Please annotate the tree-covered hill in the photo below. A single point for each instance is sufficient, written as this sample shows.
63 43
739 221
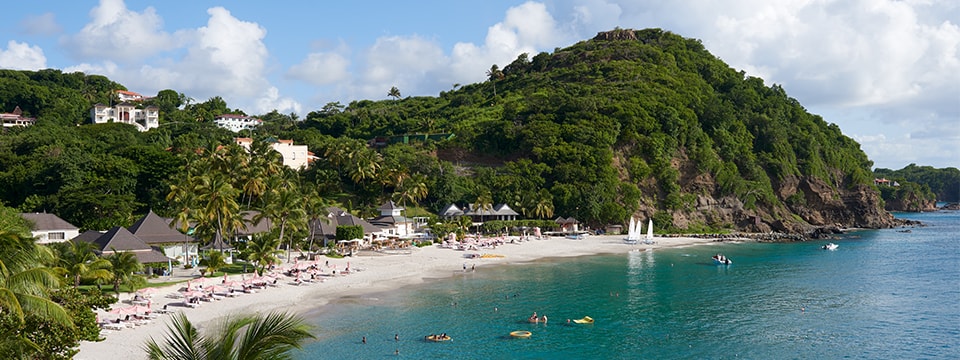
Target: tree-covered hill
919 187
641 122
632 122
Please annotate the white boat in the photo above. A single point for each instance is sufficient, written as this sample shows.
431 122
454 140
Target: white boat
830 246
649 239
719 259
633 232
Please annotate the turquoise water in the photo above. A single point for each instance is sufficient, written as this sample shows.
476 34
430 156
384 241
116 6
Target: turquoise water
883 294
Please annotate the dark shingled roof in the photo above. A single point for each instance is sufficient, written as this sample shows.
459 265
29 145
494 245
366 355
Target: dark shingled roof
153 229
336 216
120 239
46 222
250 228
88 236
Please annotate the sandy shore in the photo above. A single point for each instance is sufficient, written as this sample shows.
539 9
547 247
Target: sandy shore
376 273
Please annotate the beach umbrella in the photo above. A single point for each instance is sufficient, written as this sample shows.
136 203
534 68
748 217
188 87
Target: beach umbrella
147 292
128 310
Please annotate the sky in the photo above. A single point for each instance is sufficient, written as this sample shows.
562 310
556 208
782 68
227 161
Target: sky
886 72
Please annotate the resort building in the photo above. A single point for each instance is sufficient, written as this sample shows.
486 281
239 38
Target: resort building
127 113
323 231
392 221
126 96
49 228
156 232
16 119
296 157
236 122
497 212
119 239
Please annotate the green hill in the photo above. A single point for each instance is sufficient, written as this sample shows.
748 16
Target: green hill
643 123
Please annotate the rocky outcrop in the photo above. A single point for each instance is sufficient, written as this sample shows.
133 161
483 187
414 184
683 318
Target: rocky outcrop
911 204
807 206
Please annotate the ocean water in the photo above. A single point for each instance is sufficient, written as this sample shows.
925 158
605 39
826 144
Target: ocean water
883 294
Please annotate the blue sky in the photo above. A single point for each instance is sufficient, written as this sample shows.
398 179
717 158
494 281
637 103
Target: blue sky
887 72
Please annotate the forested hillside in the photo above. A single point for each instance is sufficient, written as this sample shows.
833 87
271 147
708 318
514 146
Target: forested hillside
919 187
643 123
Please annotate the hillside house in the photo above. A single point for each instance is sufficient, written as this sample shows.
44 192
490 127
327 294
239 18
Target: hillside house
127 113
296 157
49 228
237 122
16 119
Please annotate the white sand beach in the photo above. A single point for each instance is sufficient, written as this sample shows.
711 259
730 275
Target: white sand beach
371 273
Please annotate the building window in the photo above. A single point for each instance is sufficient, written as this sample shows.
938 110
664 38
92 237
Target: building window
56 236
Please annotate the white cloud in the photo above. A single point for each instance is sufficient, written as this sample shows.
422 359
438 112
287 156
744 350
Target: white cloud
408 63
270 100
22 56
118 34
322 68
44 24
525 29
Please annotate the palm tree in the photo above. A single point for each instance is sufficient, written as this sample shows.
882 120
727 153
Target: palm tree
78 261
124 267
269 336
262 251
493 75
284 207
394 93
484 203
214 261
24 283
315 206
544 206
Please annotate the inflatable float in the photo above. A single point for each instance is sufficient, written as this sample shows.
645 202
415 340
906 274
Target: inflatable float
520 334
437 338
585 320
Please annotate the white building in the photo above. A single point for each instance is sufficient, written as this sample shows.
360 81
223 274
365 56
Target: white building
127 113
296 157
49 228
237 123
16 118
126 96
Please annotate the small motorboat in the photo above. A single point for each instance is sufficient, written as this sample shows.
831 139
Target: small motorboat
830 246
720 259
585 320
520 334
437 338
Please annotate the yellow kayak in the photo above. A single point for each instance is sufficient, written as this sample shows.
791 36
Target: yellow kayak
585 320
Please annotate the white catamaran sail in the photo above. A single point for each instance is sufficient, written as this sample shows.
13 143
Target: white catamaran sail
633 232
649 232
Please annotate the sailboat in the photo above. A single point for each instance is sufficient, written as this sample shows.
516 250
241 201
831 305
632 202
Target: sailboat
649 239
633 233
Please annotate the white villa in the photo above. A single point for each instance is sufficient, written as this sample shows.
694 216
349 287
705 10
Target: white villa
296 157
49 228
237 123
16 118
127 113
125 96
